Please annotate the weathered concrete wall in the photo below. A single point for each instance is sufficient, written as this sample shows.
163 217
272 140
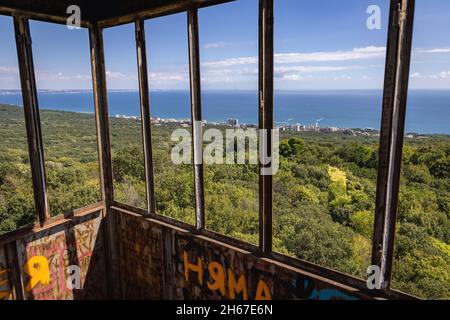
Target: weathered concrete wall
43 261
141 258
159 261
156 261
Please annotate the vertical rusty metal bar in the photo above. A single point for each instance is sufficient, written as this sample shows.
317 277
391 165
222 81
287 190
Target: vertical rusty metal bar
266 97
196 113
145 114
32 118
101 114
392 132
260 124
104 156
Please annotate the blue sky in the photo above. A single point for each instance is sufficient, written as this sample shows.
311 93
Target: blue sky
326 46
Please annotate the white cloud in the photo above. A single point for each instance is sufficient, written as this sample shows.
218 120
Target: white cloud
51 75
61 76
297 73
435 76
441 75
231 62
212 80
8 69
292 77
343 77
167 76
248 71
369 52
116 75
285 73
217 45
437 50
308 69
355 54
83 77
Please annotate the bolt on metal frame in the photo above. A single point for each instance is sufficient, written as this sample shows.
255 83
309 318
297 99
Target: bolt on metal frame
391 140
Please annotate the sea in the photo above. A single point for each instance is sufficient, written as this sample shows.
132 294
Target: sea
428 110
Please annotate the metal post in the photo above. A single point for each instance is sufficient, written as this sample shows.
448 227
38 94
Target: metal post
104 156
196 111
32 118
101 114
266 69
145 114
392 131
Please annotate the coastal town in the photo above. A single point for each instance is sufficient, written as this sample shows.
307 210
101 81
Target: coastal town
283 127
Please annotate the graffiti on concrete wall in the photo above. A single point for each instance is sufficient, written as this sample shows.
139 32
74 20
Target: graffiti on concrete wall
223 280
156 262
206 270
303 288
141 261
56 264
161 262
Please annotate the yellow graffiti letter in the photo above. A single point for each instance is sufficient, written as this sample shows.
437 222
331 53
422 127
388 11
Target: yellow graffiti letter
38 270
262 292
218 276
237 287
193 267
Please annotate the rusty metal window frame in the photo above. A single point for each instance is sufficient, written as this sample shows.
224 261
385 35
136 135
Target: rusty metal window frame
196 116
395 92
33 125
266 122
141 51
32 118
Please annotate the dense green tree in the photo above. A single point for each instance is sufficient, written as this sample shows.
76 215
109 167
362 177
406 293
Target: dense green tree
292 147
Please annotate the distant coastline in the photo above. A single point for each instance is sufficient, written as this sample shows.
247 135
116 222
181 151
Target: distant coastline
428 110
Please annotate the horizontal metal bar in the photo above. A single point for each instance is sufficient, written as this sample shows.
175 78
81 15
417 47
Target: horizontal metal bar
148 11
51 223
10 11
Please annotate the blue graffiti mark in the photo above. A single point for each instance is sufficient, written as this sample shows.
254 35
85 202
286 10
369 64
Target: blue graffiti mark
328 294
